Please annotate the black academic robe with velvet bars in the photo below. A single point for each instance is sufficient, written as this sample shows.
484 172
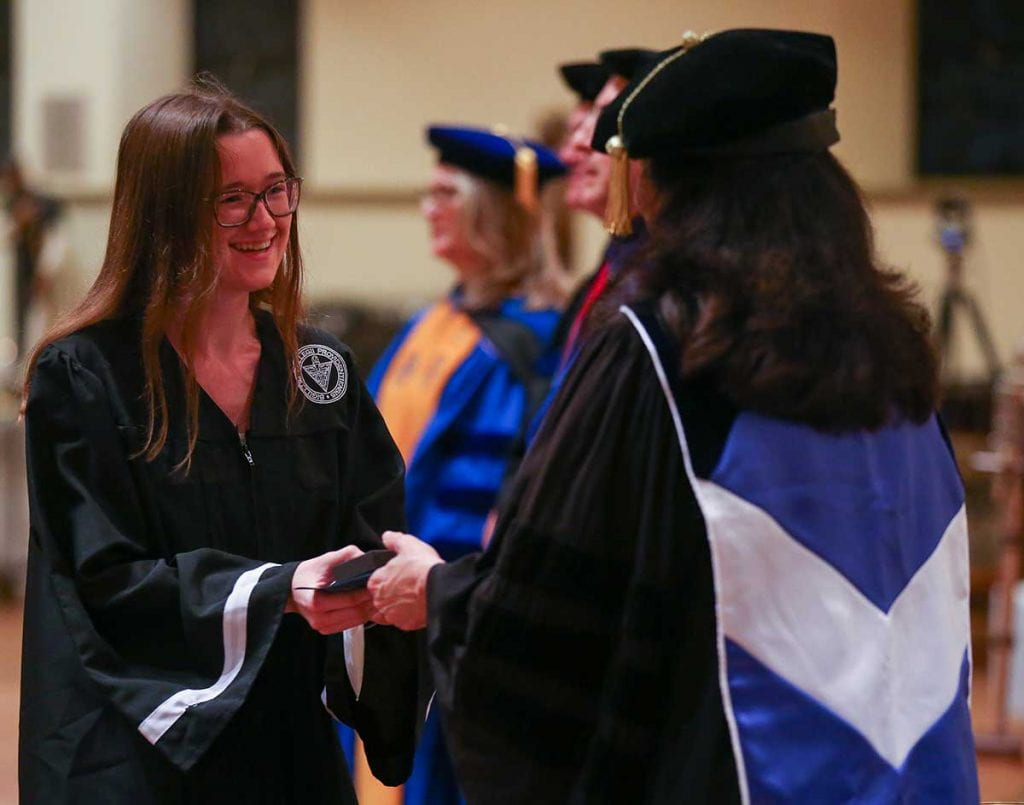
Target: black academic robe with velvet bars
575 659
158 663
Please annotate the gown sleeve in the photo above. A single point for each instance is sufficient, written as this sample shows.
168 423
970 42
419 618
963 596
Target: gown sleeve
173 641
555 651
388 708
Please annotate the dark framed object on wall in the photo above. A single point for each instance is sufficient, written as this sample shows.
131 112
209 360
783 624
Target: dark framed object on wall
970 68
252 46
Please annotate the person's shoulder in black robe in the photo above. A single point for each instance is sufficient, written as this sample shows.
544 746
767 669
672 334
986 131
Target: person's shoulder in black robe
575 660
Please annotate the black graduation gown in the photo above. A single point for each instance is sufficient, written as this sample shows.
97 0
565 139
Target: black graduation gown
575 660
158 665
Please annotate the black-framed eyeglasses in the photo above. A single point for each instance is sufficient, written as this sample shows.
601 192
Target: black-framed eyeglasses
236 207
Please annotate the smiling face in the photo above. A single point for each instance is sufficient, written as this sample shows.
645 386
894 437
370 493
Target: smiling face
247 256
589 170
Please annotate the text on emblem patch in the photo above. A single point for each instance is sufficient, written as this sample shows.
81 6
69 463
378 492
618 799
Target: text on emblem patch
323 376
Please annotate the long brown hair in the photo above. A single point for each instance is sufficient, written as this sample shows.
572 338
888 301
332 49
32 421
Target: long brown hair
158 263
767 271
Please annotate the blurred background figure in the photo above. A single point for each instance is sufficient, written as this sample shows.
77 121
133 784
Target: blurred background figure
595 84
38 249
585 80
461 380
589 175
36 246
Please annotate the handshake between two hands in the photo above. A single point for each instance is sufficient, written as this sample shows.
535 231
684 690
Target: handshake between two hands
395 594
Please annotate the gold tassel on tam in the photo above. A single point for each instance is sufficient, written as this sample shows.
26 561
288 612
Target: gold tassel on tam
618 219
526 179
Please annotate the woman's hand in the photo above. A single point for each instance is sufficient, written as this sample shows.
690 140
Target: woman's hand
399 588
328 613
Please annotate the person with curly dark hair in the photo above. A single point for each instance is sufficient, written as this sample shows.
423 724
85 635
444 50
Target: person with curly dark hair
733 565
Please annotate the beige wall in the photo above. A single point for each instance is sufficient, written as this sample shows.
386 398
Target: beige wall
373 74
378 71
112 55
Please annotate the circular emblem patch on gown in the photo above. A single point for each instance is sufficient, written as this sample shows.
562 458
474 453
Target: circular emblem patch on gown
323 376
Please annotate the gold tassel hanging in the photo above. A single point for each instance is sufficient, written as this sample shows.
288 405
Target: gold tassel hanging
618 219
526 179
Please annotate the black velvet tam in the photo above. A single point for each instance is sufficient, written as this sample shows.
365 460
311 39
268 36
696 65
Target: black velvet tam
584 78
744 91
627 63
489 155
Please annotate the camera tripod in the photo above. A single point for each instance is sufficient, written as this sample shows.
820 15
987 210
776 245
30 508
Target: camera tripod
955 297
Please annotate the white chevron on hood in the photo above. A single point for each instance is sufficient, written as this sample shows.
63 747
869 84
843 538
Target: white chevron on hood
891 674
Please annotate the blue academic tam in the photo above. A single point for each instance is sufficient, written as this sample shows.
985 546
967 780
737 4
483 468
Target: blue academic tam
490 155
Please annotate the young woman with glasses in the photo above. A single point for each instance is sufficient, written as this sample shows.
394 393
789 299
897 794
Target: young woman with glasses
199 460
